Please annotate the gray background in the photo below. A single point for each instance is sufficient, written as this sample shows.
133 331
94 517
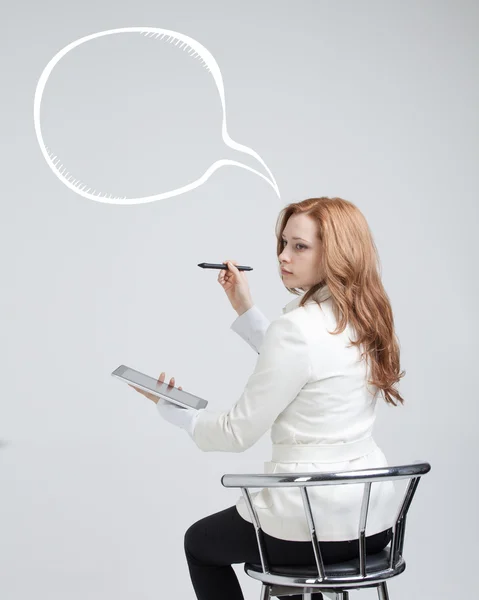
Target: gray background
375 102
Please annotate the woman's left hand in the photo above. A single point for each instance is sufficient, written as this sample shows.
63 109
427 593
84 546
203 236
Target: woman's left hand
152 397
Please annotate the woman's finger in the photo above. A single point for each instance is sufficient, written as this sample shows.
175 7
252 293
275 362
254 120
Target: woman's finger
222 273
139 390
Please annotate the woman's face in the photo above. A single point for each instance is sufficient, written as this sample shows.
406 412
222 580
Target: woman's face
302 256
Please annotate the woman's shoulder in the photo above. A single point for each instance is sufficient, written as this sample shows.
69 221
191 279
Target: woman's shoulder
300 321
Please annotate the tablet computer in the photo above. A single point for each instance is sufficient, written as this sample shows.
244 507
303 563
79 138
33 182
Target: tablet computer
162 390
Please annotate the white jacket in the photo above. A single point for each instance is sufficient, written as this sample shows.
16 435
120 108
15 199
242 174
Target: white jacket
311 390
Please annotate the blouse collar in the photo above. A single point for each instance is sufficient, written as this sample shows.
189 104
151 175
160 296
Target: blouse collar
323 294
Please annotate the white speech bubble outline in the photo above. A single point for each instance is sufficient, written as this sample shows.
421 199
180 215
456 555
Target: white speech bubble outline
210 64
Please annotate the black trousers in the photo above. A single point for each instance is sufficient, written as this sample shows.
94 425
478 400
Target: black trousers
222 539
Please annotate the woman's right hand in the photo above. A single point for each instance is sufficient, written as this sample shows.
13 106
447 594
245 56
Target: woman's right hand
236 287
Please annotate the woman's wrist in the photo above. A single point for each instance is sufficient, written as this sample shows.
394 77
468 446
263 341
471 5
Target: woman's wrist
244 308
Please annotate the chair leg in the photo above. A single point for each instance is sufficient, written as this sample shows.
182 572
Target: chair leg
265 592
383 591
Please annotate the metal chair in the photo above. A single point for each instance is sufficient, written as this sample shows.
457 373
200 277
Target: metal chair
367 571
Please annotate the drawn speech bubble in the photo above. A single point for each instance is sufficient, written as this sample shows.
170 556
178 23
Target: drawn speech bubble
196 51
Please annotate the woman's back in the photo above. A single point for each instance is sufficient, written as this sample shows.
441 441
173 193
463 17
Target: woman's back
338 405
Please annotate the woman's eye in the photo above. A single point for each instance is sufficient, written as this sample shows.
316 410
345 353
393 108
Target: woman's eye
297 245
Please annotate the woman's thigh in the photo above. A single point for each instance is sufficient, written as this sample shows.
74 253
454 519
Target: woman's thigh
222 538
225 538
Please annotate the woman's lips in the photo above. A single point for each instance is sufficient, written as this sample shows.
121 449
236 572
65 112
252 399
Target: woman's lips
285 272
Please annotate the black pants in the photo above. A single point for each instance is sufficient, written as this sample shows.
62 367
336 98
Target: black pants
214 543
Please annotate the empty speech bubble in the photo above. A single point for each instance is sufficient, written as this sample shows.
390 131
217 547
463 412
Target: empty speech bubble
196 51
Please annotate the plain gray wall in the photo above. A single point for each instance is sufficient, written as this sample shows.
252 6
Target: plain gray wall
375 102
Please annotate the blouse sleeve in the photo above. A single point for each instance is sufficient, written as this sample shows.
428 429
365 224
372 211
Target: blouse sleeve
283 367
251 326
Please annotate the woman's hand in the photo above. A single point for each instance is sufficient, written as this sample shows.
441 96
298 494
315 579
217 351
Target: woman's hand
235 284
181 416
150 396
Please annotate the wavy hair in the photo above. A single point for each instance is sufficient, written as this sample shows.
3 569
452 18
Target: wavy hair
351 268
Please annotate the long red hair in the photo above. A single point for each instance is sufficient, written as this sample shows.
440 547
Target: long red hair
351 268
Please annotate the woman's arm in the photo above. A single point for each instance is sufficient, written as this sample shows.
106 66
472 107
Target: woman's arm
251 326
282 369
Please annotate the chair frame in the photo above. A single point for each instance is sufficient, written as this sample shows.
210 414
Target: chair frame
283 585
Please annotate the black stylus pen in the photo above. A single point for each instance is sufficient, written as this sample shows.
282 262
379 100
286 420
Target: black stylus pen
223 266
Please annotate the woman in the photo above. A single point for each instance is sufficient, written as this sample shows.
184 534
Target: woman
320 368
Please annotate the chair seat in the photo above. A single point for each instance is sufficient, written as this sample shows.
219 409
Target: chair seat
374 563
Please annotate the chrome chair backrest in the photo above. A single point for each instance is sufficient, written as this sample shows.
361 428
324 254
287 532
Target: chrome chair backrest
413 472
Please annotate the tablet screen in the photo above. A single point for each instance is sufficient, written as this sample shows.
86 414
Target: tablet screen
163 390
